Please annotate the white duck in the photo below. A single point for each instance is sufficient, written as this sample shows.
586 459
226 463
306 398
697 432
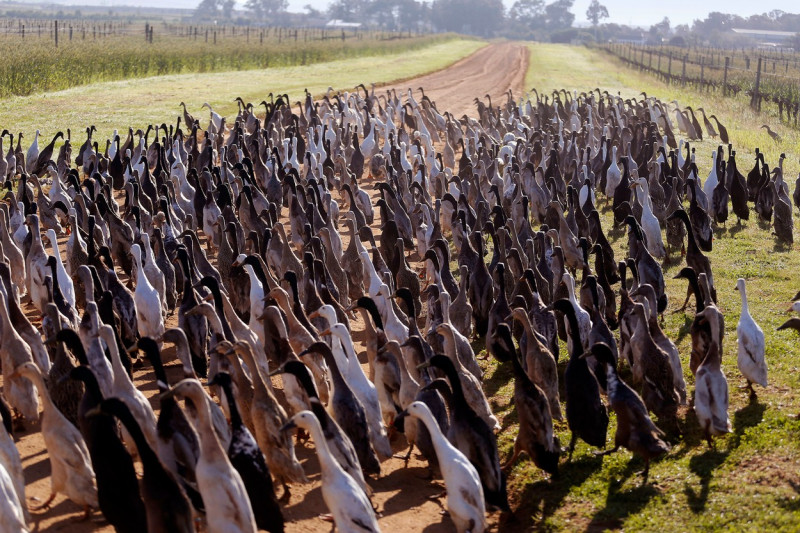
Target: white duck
750 337
464 491
584 320
650 225
14 351
36 265
154 274
216 119
711 389
71 466
32 155
19 230
64 280
124 389
12 514
148 303
351 509
227 506
613 175
364 390
10 461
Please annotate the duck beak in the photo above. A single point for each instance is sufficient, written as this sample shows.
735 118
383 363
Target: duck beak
94 411
288 426
133 349
326 332
276 372
313 315
50 341
166 395
424 365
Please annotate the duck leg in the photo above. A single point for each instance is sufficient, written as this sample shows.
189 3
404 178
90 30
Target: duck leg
689 293
601 453
407 456
18 421
514 456
284 499
87 512
571 448
46 504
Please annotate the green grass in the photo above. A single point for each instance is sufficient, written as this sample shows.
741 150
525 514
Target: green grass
33 64
751 482
138 102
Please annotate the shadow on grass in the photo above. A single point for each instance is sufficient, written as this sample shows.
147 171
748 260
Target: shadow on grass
748 416
704 465
543 498
736 228
620 504
685 327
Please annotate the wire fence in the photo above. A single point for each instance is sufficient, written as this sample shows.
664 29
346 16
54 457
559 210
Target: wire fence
58 31
766 77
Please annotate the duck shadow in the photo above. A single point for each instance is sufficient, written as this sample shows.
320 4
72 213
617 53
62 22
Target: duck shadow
685 328
35 471
444 525
543 498
748 416
703 465
621 504
403 500
735 228
501 375
309 506
781 247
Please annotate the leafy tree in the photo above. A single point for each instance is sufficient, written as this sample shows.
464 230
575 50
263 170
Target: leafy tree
659 31
208 9
595 12
558 14
264 9
528 12
312 11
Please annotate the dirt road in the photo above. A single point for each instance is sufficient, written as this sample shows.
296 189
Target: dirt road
492 70
402 494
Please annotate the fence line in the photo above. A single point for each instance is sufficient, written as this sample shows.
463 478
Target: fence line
710 73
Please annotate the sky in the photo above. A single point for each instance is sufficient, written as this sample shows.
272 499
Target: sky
631 12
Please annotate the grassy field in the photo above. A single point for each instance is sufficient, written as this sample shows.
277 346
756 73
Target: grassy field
34 64
138 102
751 481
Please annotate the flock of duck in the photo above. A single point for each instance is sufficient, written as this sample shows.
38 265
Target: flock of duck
262 236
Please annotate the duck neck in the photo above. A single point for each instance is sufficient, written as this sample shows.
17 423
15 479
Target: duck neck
745 306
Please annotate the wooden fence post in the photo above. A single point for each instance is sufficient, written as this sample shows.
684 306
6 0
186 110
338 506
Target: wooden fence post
55 33
702 70
683 72
725 77
669 69
754 100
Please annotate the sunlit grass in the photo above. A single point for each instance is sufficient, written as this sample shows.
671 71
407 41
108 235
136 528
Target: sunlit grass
139 102
750 482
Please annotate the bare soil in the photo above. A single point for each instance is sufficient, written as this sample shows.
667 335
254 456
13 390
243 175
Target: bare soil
403 496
